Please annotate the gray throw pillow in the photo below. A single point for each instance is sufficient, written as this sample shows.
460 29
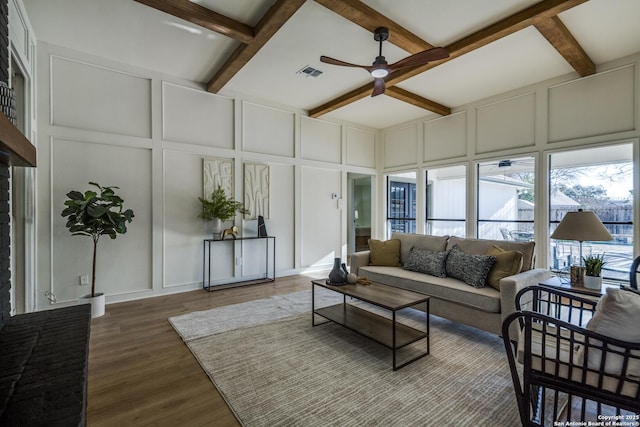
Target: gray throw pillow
427 262
471 269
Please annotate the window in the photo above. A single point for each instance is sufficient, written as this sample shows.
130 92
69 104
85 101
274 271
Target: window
401 208
446 201
600 180
506 199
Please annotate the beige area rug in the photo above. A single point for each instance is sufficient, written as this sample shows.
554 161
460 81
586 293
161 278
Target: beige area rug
284 372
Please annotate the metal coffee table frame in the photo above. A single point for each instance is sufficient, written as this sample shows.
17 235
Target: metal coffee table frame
384 331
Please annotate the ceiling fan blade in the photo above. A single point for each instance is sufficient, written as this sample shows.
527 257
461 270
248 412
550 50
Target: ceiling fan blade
421 58
378 87
333 61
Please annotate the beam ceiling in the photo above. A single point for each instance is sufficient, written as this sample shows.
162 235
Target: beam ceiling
270 23
196 14
538 13
542 15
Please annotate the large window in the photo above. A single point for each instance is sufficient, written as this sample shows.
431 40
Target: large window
506 199
446 201
401 209
599 180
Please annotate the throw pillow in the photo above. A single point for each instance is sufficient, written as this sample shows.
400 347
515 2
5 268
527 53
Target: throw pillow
385 253
427 262
471 269
617 316
507 263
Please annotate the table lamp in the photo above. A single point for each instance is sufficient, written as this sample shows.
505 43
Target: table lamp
583 226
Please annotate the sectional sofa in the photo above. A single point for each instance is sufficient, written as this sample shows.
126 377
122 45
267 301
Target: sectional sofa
453 271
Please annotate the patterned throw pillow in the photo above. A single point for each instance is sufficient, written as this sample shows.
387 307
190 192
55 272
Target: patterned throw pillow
471 269
427 262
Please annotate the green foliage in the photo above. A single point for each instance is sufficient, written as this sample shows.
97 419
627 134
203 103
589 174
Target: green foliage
220 206
96 214
593 264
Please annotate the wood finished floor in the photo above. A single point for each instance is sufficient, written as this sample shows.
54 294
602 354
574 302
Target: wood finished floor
142 374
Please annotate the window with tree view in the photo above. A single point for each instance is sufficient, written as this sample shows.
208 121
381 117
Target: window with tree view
506 199
598 180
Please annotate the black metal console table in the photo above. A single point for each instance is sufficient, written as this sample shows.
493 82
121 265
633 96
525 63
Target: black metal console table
207 264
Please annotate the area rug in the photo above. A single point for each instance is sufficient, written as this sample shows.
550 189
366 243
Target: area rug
284 372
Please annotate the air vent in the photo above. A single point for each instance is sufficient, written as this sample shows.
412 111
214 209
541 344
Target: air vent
310 72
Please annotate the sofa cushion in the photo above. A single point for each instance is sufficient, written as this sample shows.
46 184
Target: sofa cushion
484 299
507 263
481 246
428 262
471 269
385 253
422 241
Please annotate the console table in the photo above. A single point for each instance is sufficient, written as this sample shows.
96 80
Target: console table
207 263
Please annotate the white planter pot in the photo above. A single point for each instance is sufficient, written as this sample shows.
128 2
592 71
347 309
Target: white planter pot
593 282
97 304
216 228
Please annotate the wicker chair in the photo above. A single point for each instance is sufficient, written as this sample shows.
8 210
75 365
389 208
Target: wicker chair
563 371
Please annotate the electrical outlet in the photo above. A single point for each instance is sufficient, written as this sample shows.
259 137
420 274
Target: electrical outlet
84 279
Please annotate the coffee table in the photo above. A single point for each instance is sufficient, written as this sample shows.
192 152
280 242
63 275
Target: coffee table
380 329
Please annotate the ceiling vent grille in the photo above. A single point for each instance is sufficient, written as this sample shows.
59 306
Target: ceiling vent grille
309 72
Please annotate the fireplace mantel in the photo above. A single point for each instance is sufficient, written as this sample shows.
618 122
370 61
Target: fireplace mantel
13 143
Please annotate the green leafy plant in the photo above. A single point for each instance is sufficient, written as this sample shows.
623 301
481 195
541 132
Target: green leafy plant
96 214
220 206
593 265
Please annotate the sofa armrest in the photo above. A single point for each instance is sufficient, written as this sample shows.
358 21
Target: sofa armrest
511 285
358 259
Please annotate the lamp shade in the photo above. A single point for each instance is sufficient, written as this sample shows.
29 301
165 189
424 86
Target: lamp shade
583 226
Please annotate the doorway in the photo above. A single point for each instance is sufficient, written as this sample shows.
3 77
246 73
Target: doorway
359 214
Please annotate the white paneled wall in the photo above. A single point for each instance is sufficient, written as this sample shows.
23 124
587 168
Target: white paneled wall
446 137
321 223
597 105
124 264
506 124
148 135
208 121
120 102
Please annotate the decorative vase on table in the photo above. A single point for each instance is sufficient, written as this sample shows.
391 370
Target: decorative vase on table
338 275
216 228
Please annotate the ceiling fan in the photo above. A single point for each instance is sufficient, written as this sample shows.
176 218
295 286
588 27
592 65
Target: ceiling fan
381 69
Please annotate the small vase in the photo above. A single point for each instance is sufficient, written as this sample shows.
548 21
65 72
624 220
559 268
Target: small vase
216 228
338 275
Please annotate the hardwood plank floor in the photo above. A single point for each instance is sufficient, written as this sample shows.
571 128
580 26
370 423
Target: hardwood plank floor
142 374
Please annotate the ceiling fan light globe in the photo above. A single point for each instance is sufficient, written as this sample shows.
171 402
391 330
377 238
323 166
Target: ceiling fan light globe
379 73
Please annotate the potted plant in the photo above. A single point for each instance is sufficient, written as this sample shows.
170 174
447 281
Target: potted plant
96 214
220 208
593 269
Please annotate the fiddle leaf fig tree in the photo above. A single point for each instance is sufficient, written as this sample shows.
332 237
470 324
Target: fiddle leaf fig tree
95 214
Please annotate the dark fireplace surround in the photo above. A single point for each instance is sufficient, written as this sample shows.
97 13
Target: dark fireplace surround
43 355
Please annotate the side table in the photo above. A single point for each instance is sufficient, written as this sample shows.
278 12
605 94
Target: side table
565 285
269 262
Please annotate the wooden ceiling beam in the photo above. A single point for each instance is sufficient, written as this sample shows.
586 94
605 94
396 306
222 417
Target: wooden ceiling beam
507 26
417 100
203 17
370 19
270 23
554 30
